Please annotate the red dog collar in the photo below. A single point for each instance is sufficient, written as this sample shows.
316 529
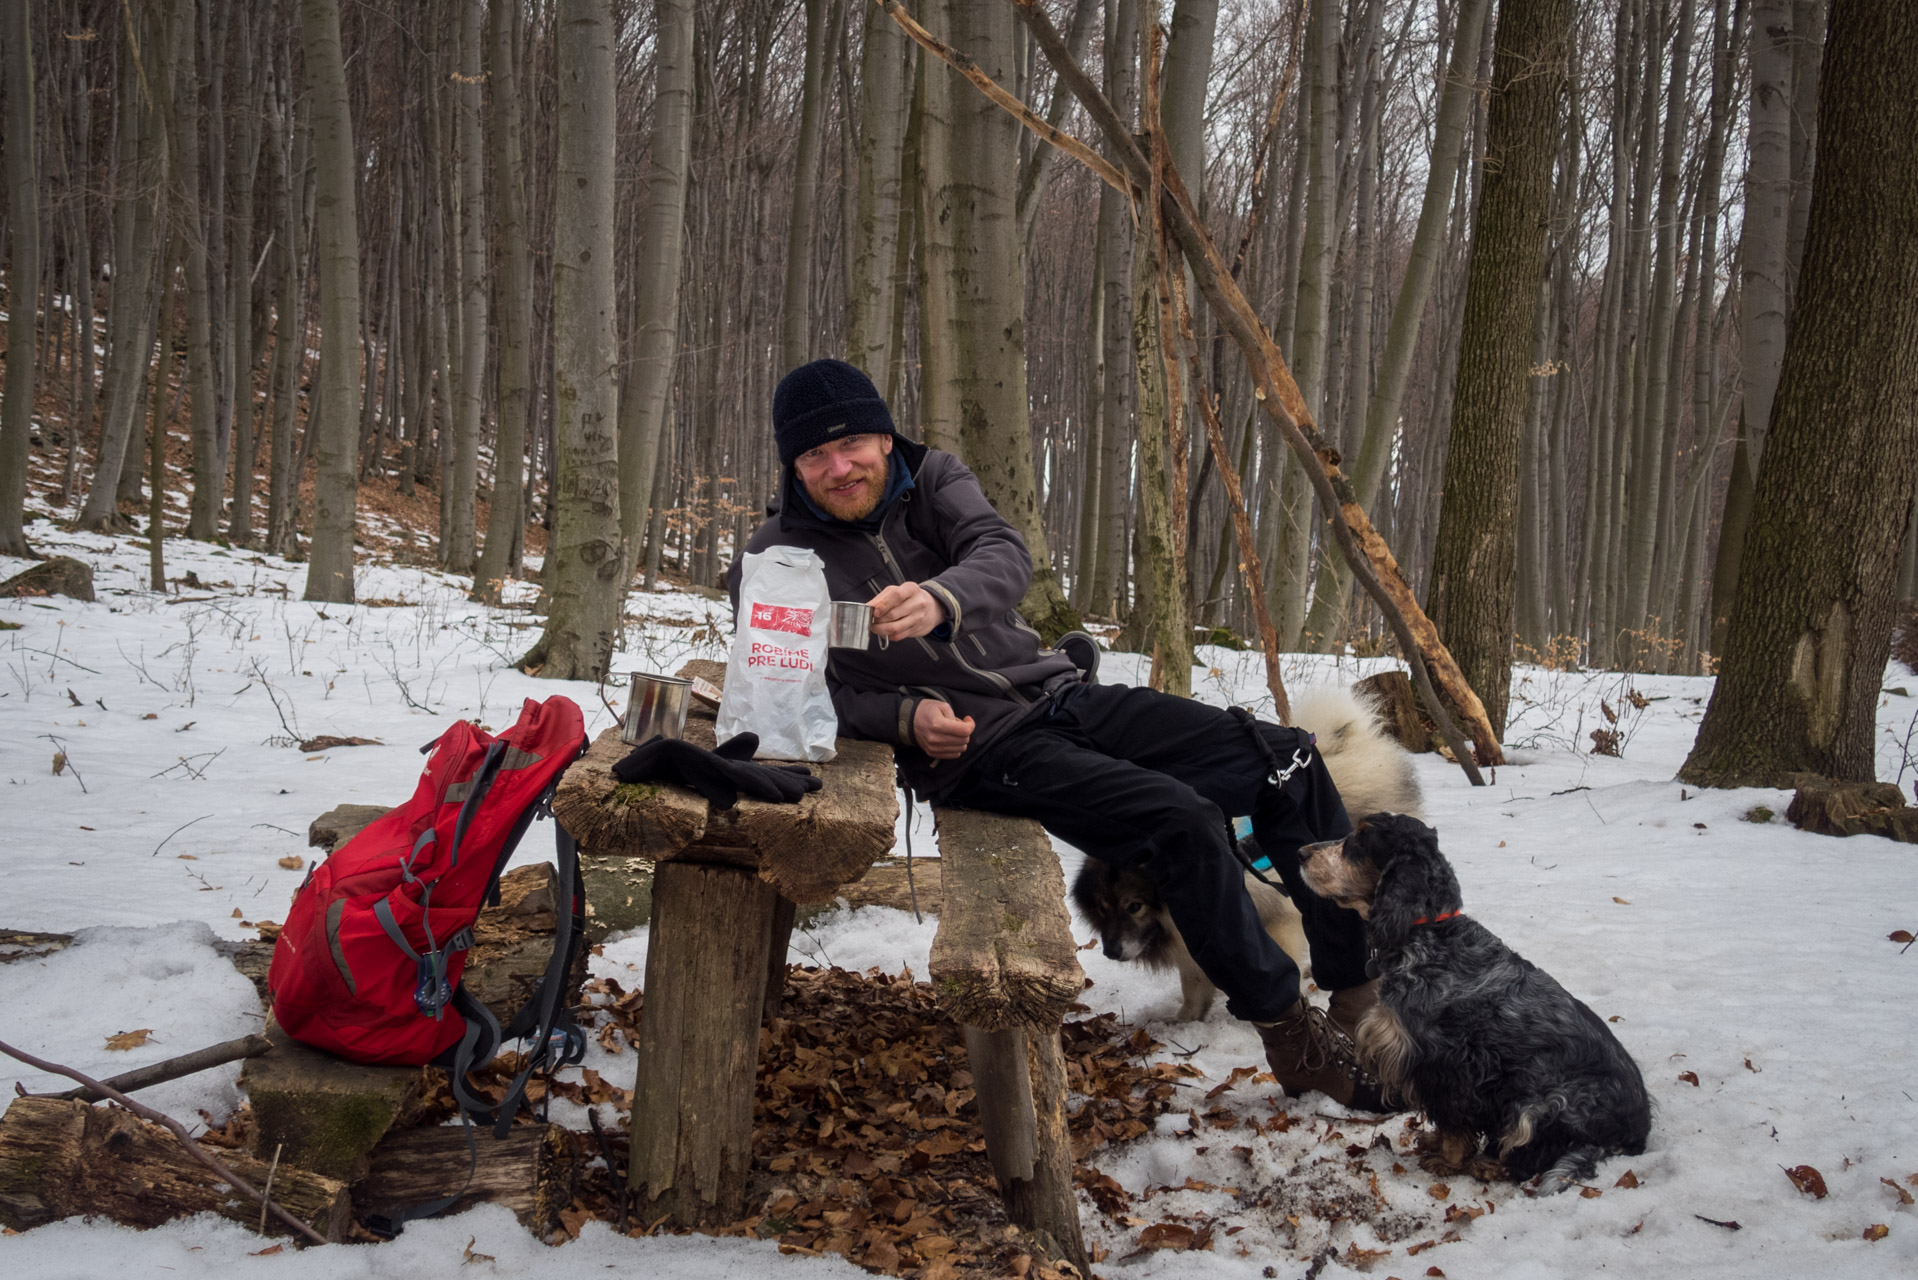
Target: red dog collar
1443 915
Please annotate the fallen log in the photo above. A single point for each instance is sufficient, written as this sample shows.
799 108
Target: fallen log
61 1159
533 1171
172 1069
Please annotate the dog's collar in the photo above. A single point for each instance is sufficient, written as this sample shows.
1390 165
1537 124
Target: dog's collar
1443 915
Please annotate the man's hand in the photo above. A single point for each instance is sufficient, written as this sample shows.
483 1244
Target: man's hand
904 611
940 734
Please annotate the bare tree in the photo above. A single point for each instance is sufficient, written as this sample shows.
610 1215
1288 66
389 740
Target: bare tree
335 428
23 279
1810 625
587 571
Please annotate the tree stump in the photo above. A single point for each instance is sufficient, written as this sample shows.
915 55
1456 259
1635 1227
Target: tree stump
698 1046
58 576
533 1171
1852 809
60 1159
1006 969
327 1114
341 823
1399 712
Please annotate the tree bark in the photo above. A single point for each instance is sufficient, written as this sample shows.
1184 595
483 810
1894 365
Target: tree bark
329 573
972 189
23 279
643 420
884 95
586 568
457 551
1811 622
795 319
515 370
1474 560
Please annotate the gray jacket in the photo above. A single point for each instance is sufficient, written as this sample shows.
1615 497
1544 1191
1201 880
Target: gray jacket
944 535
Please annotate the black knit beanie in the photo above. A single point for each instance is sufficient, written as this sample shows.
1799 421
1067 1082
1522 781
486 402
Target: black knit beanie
822 401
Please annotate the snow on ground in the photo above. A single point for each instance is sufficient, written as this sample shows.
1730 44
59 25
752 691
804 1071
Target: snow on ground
1744 954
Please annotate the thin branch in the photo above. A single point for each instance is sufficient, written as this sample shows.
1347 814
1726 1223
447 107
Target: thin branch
198 1152
970 70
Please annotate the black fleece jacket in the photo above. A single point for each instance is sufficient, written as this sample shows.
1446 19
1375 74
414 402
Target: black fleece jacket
944 535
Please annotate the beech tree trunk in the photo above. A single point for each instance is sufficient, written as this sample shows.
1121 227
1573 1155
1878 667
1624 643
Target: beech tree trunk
335 425
972 189
1810 624
457 551
643 418
1474 561
23 275
515 369
586 573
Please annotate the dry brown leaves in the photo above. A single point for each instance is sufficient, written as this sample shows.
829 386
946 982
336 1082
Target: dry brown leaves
866 1140
1808 1180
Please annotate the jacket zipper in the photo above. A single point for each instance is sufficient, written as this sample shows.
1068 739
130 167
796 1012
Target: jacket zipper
992 677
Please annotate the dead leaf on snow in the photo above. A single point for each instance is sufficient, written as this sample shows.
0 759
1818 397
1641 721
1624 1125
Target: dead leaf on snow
468 1255
326 740
1808 1180
1628 1180
1620 901
1689 1077
269 1251
1439 1190
1167 1235
1357 1257
1896 935
292 862
1877 1231
1904 1196
129 1039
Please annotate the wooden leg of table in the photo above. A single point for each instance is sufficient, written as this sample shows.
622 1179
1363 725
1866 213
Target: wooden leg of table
698 1046
781 943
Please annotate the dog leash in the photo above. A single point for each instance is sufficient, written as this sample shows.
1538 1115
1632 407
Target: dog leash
1278 776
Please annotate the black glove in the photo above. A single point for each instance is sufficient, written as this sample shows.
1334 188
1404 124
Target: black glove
721 775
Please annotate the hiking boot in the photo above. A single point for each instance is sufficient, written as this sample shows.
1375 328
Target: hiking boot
1307 1052
1350 1006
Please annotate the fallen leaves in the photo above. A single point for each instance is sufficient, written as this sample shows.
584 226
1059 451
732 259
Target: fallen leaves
326 740
1902 936
129 1039
1877 1231
1172 1235
1904 1196
1628 1180
1808 1180
1689 1077
292 862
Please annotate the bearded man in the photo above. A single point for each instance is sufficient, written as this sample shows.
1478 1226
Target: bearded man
981 714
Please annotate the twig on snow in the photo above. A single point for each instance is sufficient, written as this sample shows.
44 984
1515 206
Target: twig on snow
176 831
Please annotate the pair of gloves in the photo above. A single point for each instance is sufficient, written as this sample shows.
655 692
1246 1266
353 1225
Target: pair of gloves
721 775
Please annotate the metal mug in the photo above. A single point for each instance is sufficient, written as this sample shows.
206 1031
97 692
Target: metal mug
655 708
851 624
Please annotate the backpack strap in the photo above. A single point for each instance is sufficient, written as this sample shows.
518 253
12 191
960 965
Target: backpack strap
556 1040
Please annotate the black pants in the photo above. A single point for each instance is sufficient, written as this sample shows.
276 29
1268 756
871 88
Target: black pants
1146 780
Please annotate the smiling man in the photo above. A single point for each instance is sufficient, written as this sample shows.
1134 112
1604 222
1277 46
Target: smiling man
982 714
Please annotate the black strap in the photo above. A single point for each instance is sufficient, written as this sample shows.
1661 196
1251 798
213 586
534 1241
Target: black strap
543 1017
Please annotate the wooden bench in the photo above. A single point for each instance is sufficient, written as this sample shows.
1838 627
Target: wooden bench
1006 969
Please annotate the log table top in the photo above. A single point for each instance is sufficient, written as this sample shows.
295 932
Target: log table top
805 850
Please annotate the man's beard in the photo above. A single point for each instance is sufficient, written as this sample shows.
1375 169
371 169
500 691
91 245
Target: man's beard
857 506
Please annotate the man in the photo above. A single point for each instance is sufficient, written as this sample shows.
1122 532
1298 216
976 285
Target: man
982 715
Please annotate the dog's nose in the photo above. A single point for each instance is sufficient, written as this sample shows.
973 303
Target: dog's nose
1114 949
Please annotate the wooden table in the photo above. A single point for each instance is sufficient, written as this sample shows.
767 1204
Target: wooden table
723 893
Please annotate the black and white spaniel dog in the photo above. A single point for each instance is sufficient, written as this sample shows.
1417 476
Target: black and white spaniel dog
1486 1042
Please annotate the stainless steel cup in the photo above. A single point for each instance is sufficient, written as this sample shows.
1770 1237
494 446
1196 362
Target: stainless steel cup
851 624
655 708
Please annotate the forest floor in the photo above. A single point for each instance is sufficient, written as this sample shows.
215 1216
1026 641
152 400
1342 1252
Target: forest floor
1750 968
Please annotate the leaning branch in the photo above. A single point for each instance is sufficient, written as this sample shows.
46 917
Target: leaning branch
987 85
198 1152
1371 560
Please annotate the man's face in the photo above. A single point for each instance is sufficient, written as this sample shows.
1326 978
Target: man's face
846 477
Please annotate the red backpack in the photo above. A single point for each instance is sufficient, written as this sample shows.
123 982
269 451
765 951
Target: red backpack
368 964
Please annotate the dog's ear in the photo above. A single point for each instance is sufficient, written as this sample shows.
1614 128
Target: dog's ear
1414 878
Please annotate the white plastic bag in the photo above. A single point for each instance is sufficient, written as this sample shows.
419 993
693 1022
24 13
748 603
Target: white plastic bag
776 678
